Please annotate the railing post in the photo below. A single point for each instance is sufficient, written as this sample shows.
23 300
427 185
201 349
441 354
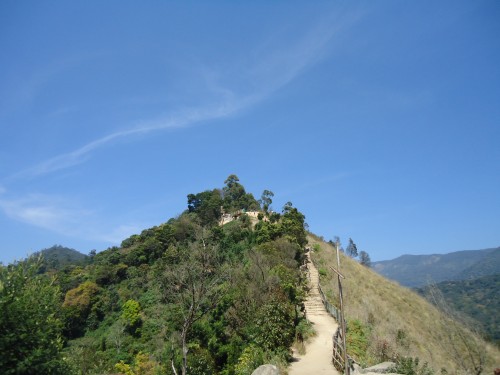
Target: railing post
342 322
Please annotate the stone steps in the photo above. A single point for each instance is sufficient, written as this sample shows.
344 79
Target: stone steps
313 303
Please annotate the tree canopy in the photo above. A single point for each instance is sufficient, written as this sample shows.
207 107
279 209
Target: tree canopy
352 249
188 296
30 321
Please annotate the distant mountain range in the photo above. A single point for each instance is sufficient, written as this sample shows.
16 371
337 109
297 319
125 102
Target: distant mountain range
420 270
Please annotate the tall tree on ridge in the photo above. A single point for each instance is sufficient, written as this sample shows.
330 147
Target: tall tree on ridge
266 200
352 249
364 259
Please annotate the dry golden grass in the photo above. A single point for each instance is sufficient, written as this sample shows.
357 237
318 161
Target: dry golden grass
402 323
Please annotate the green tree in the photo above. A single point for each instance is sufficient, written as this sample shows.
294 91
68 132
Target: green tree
364 259
233 192
352 249
275 328
207 205
30 324
195 287
266 200
235 196
266 231
131 314
77 306
165 235
293 225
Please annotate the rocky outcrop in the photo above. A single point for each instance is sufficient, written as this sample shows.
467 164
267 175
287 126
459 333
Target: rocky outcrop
266 370
381 368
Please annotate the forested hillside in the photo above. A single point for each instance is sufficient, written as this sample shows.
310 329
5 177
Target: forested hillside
477 298
489 265
187 296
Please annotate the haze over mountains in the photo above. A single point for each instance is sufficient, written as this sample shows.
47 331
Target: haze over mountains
420 270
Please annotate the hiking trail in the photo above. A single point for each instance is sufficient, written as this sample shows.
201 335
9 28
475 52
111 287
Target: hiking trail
318 357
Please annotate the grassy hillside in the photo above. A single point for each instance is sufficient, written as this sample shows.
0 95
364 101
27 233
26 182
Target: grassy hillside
391 321
419 270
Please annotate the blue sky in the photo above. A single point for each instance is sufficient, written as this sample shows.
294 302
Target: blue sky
380 121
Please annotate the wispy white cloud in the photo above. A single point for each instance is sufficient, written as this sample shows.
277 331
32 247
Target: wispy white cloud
283 64
60 216
182 119
44 211
274 67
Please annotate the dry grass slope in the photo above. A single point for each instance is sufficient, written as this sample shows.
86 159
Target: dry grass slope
401 322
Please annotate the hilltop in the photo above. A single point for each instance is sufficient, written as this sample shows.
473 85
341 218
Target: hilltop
58 256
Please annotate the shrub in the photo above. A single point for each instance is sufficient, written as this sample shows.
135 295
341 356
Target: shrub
304 330
357 339
131 314
275 328
251 358
143 365
30 327
200 361
383 350
410 366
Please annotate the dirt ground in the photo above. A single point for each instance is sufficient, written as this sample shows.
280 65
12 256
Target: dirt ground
318 357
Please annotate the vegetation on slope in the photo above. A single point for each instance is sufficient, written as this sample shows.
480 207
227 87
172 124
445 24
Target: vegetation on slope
187 296
489 265
387 321
30 321
478 298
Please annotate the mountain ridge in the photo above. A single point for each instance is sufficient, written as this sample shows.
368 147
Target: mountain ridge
418 270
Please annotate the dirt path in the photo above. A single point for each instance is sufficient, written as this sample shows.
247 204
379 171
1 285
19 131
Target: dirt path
318 357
